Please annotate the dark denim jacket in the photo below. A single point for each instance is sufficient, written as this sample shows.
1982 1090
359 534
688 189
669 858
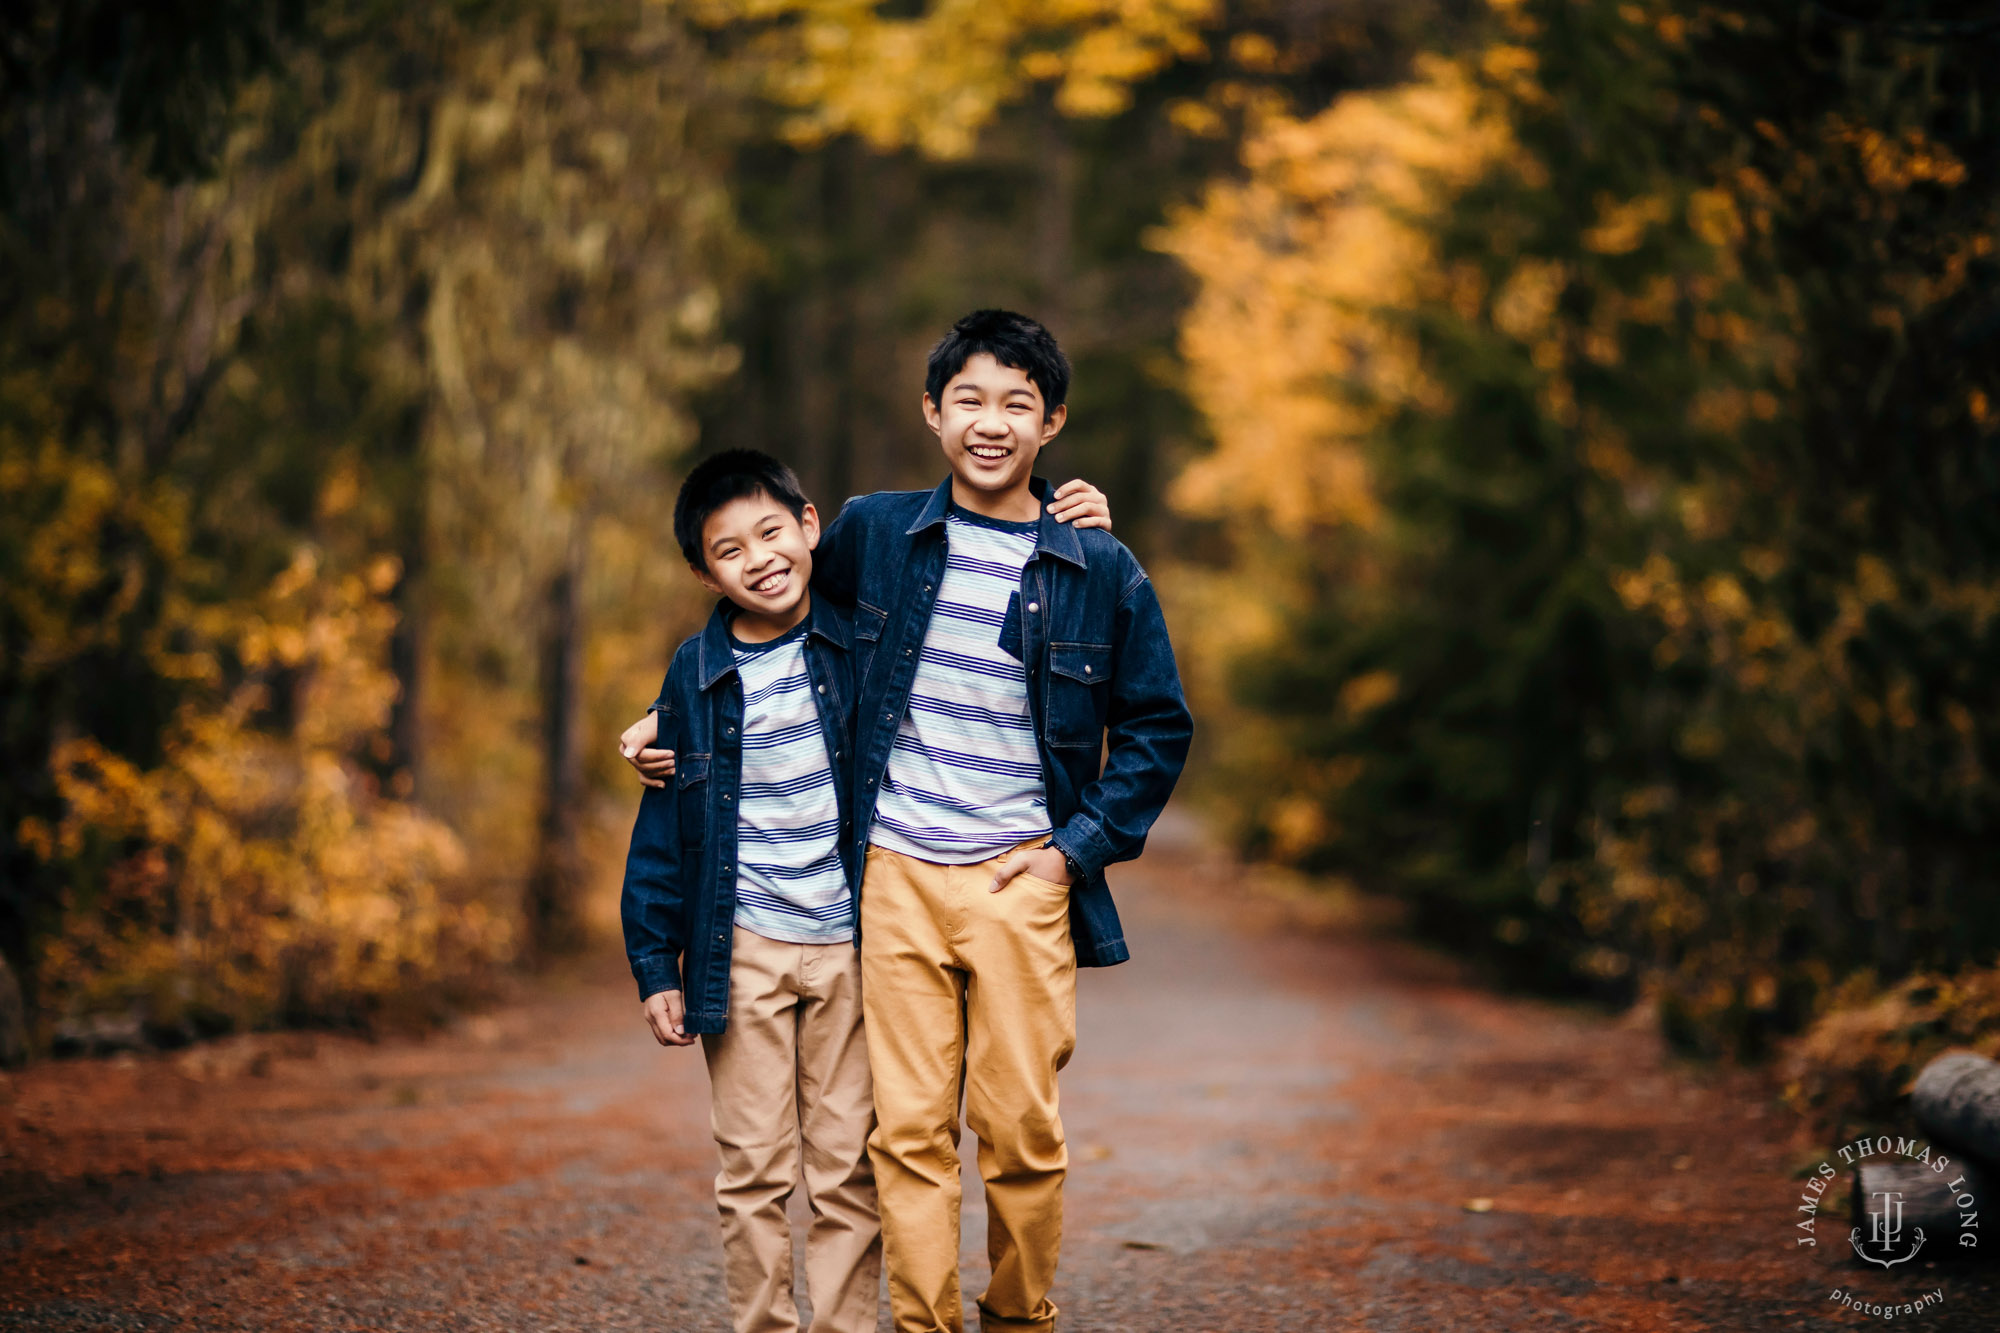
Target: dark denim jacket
1099 664
680 875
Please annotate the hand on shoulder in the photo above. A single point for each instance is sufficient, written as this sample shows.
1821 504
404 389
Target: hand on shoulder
1081 505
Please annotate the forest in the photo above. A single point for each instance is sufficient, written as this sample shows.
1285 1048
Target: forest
1565 435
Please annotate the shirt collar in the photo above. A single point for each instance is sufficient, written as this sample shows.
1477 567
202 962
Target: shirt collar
718 658
935 508
1056 538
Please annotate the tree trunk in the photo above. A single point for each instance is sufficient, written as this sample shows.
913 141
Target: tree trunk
13 1019
554 919
407 649
1957 1101
1055 225
408 471
821 342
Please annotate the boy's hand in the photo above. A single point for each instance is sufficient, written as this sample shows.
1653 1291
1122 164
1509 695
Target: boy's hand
654 766
1041 862
1080 504
664 1012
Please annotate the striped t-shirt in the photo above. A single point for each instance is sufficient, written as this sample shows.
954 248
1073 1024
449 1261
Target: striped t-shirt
790 884
965 776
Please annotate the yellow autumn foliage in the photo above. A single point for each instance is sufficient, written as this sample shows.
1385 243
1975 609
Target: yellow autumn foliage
256 874
1293 354
934 80
1530 445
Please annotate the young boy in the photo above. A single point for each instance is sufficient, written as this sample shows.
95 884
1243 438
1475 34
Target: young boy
997 650
745 866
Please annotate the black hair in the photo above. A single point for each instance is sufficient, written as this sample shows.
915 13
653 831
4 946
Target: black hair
725 477
1012 340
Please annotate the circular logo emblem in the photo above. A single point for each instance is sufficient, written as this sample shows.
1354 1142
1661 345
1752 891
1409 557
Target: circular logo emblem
1889 1206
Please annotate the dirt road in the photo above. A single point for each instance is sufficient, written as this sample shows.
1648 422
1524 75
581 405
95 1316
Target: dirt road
1272 1126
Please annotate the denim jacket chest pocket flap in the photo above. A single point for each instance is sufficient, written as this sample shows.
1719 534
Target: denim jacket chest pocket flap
1079 692
868 625
691 780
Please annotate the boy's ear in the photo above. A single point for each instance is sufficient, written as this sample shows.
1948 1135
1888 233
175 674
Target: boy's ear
809 523
1052 424
707 580
932 417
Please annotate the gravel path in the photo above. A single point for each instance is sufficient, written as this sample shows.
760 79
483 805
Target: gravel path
1274 1125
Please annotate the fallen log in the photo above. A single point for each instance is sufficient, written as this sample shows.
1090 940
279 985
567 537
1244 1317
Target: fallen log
1894 1200
1957 1101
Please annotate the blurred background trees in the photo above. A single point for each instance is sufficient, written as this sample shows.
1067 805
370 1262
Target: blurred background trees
1563 433
412 317
1640 629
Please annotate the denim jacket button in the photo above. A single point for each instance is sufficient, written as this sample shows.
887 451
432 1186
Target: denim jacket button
822 689
725 798
1034 607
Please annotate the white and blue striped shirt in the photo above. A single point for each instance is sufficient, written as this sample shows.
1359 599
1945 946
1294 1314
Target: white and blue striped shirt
965 775
790 884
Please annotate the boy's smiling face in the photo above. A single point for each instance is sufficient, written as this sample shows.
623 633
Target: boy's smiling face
991 423
760 557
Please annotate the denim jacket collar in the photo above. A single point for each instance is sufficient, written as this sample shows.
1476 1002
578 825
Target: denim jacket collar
718 658
1056 538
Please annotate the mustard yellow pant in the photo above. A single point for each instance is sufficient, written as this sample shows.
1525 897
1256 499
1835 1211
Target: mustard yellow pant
791 1102
970 992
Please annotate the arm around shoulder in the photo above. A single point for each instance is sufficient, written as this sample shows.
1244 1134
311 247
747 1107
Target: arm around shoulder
837 558
653 904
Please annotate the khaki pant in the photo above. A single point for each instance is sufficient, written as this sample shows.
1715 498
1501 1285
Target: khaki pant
791 1098
967 990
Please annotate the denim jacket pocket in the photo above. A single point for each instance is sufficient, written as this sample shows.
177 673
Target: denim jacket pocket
1079 684
691 778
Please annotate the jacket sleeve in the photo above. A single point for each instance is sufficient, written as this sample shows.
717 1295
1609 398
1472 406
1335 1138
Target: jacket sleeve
654 902
1147 727
837 559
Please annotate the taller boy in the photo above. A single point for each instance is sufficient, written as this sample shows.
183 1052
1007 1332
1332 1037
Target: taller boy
998 651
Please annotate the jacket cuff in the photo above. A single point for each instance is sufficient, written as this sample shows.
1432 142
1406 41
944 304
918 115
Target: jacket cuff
1081 842
655 974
